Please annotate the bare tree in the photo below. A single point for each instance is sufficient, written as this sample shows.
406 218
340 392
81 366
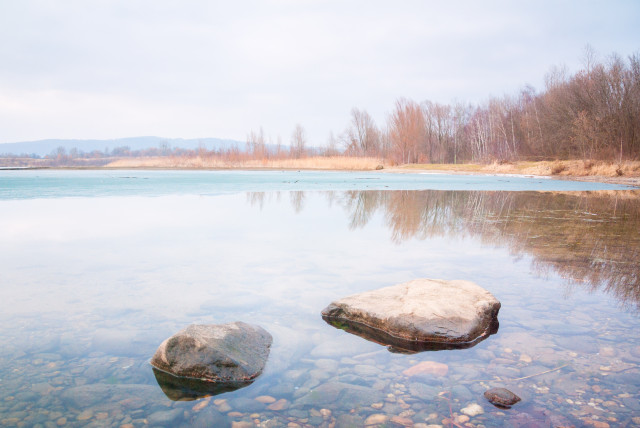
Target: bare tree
332 146
256 144
298 141
407 131
362 133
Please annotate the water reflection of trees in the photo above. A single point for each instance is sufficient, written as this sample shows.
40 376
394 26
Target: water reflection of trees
589 238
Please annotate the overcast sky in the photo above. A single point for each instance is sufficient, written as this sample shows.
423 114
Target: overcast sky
110 69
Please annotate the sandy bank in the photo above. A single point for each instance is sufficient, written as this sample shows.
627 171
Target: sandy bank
626 173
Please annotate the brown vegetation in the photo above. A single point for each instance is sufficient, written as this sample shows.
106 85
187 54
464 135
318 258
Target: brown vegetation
593 114
562 168
315 162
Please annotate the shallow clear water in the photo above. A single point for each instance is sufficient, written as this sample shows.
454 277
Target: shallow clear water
92 183
92 284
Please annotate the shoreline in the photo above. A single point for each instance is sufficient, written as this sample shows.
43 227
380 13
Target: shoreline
515 170
627 181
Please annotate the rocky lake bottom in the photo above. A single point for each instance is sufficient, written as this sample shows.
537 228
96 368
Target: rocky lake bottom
91 286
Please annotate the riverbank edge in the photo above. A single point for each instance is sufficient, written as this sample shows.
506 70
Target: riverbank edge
532 169
633 181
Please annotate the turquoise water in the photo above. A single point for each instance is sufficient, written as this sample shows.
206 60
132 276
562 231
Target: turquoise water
94 183
92 284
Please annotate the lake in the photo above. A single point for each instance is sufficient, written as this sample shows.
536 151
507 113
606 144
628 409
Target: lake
99 267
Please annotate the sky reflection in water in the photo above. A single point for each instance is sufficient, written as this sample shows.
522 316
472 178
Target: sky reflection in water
91 286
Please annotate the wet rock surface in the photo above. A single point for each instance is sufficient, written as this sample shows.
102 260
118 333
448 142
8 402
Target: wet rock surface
419 315
501 397
233 352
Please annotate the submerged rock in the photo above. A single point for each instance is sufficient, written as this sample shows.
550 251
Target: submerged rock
222 357
427 367
419 315
473 409
501 397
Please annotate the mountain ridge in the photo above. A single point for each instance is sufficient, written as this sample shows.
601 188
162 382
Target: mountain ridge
47 146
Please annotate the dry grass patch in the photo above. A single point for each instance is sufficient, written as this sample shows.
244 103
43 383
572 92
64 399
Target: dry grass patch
460 167
569 168
583 168
196 162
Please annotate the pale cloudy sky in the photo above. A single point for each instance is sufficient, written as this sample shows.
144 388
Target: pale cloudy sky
205 68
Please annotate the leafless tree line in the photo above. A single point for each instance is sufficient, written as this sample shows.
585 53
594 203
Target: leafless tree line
592 114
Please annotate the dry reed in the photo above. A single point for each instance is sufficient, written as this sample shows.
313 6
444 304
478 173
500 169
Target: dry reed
569 168
187 162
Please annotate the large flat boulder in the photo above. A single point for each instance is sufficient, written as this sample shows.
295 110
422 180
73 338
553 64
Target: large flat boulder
233 352
423 314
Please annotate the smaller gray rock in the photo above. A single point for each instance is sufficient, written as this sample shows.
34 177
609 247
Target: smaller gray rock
217 353
501 397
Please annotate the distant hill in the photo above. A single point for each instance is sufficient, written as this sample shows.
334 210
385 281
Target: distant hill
45 147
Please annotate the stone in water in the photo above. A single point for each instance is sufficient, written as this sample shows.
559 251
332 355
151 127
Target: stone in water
205 360
501 397
419 315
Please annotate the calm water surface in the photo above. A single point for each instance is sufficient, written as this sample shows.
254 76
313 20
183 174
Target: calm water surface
98 268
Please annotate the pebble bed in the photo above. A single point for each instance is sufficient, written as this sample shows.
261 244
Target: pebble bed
565 380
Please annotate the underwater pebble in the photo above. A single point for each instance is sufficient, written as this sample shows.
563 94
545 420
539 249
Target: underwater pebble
427 367
224 407
596 424
83 416
462 419
525 358
376 419
398 420
201 405
607 351
279 405
241 424
473 410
